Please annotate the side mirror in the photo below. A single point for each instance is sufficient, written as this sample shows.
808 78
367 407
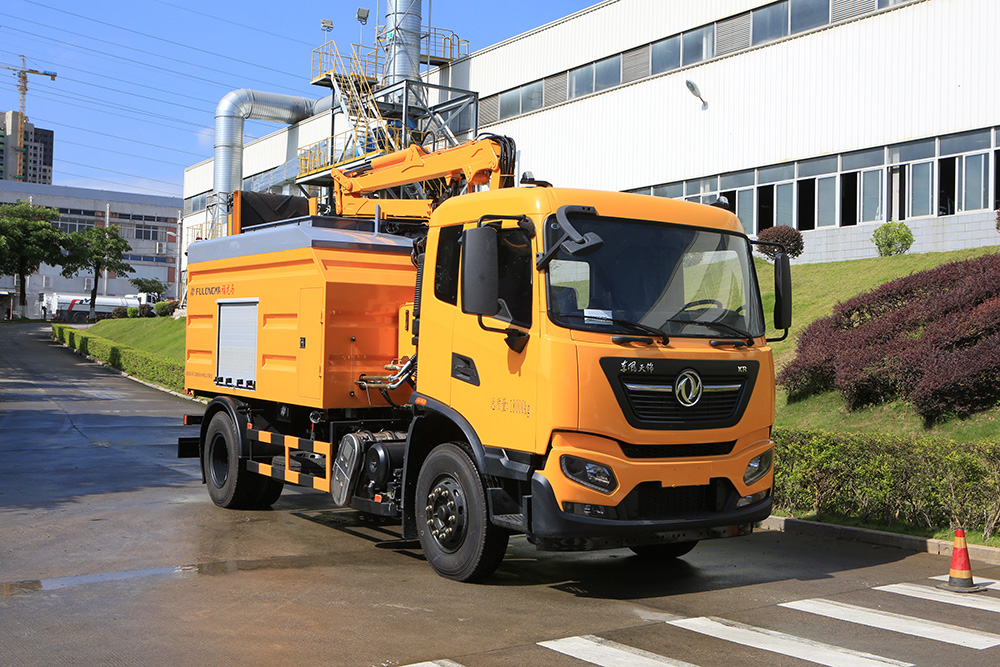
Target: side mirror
480 282
782 292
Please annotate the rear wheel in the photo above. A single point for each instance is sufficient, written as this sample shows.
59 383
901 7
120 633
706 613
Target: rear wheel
230 484
663 551
453 521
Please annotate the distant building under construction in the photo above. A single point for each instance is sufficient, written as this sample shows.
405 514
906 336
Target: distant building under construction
37 151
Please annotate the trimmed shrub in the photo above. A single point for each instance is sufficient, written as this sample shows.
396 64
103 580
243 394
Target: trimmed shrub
119 312
144 365
886 479
892 238
925 338
133 311
165 308
146 310
786 236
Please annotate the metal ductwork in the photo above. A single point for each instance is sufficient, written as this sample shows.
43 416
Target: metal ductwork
402 52
231 113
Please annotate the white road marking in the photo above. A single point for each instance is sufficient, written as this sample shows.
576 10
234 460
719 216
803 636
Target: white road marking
917 627
779 642
606 653
971 600
436 663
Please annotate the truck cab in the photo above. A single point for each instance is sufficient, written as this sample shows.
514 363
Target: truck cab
601 358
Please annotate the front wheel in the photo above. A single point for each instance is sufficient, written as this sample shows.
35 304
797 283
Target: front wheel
452 516
665 550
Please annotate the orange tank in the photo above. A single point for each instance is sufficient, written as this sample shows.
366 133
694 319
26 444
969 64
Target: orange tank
297 312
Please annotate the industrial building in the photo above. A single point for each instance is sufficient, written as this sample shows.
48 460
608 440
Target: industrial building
149 223
830 116
37 150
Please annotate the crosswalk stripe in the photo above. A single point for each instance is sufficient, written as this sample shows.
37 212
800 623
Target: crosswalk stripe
971 600
436 663
979 582
942 632
779 642
606 653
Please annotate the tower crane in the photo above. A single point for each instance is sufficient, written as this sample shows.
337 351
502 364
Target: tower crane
22 89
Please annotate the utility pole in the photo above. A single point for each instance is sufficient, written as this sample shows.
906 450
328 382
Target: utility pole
22 89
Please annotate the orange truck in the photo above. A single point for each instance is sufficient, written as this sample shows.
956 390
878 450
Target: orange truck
593 367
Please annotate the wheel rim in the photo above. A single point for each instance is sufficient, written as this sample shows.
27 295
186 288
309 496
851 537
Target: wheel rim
446 513
219 461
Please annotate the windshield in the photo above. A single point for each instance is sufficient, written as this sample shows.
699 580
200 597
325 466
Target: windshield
681 280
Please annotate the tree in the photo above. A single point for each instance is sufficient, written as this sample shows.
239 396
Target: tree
151 286
95 250
28 240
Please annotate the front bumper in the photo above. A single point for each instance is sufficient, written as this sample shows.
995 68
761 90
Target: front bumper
553 529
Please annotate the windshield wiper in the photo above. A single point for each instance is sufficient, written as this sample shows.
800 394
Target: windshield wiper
718 325
628 324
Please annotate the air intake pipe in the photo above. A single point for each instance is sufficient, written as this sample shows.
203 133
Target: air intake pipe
230 115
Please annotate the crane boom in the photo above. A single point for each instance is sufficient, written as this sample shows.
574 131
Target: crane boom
22 88
451 171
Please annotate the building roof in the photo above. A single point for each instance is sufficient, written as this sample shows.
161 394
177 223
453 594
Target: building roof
38 189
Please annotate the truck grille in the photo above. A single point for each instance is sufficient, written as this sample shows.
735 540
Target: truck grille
652 400
645 391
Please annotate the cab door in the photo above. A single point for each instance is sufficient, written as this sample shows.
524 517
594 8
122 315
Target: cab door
494 360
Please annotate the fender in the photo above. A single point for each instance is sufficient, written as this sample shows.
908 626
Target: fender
435 423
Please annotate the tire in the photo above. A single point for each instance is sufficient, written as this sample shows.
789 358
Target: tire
230 484
450 497
270 492
664 551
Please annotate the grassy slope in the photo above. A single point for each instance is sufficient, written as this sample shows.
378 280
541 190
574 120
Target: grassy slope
159 335
817 288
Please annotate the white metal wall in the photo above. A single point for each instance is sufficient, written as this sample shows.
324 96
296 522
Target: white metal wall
920 70
602 30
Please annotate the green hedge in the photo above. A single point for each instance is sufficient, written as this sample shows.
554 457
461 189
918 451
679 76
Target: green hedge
888 479
143 365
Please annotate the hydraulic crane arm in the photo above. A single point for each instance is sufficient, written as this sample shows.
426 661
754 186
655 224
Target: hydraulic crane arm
488 161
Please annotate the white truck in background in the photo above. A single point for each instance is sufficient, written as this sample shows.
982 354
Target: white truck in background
76 307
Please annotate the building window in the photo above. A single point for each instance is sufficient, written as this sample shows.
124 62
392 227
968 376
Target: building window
826 201
70 225
871 195
809 14
975 194
147 232
770 23
581 81
665 55
607 73
921 189
699 45
510 103
595 77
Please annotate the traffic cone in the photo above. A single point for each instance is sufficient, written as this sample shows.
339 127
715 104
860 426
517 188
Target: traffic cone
960 576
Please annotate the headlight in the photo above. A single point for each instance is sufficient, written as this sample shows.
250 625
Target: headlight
758 467
592 475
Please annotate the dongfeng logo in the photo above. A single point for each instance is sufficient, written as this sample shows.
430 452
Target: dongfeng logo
687 388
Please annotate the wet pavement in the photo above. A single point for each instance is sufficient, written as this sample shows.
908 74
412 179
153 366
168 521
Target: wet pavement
112 553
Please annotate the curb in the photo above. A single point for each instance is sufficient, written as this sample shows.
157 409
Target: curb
988 555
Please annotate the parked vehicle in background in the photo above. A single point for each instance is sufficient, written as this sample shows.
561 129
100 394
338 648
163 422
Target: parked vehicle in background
76 307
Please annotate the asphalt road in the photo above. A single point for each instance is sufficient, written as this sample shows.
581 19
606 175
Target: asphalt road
112 553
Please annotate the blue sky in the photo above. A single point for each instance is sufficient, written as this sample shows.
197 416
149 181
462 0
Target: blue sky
138 82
